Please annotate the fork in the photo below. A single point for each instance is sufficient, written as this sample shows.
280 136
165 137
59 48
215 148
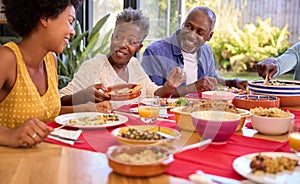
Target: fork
60 127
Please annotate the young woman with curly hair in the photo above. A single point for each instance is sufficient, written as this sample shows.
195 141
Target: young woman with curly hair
28 82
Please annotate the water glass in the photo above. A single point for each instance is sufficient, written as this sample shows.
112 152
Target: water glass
294 136
148 108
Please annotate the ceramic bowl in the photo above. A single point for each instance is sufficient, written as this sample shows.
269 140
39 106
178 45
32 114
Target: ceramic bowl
171 134
216 125
121 92
287 90
184 119
271 125
124 160
217 95
251 101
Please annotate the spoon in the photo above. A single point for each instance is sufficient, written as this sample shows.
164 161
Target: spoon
199 144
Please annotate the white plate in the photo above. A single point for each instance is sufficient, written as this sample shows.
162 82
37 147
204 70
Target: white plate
242 166
64 120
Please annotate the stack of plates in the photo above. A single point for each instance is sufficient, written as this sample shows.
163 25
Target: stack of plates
287 90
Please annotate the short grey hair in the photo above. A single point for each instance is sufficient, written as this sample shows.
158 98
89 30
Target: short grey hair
208 12
135 17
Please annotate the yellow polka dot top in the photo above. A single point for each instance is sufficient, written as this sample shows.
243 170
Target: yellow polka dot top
24 100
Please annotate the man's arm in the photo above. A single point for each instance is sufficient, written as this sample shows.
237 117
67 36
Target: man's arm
151 65
290 60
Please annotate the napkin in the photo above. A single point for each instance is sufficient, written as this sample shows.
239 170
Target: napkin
60 134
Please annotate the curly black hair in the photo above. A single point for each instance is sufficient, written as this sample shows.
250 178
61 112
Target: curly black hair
23 15
136 17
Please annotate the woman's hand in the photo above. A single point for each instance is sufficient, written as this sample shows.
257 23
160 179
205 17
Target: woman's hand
104 107
31 133
95 93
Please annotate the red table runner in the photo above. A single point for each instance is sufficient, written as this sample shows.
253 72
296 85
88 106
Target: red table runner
100 139
217 159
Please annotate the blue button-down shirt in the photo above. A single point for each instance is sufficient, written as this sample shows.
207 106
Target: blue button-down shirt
161 56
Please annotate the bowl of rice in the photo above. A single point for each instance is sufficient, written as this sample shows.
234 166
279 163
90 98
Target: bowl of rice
271 121
139 160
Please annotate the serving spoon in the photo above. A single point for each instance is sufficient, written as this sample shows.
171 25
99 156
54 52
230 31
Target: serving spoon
196 145
266 82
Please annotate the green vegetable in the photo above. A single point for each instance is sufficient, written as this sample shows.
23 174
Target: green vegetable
182 101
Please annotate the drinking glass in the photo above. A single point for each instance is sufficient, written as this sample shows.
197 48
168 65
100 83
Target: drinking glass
294 136
148 108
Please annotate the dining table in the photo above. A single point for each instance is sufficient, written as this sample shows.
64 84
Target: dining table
51 162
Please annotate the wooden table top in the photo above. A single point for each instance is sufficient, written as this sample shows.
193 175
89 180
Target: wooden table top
54 164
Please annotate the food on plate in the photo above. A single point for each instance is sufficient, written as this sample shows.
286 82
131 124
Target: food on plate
136 88
166 102
182 102
136 134
216 105
278 83
239 91
95 120
145 156
261 164
125 91
270 112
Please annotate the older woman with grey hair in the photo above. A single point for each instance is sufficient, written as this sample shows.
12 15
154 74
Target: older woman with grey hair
119 66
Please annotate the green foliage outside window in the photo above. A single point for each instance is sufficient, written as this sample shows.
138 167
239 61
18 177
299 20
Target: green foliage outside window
240 49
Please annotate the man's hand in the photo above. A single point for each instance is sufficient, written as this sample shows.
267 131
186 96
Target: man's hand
205 83
267 66
176 77
239 83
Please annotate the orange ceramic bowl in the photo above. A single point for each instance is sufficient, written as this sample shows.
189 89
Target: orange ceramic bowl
251 101
121 92
122 160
